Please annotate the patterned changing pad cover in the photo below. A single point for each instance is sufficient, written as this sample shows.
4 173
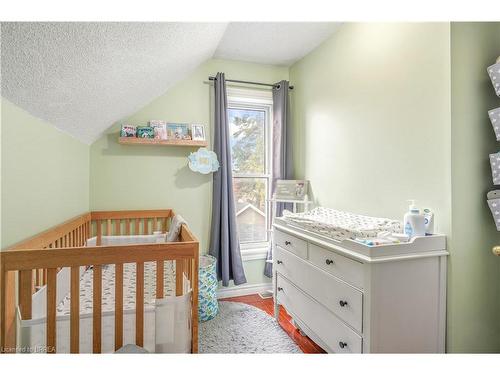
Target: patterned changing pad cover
340 225
108 287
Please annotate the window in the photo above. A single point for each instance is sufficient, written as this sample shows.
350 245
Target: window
250 131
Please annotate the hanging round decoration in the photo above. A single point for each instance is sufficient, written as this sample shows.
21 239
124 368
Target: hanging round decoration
203 161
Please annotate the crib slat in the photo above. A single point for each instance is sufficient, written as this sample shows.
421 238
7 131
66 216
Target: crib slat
118 306
118 227
37 277
160 267
139 305
86 232
4 310
99 233
136 226
145 227
155 224
108 227
164 229
189 269
179 270
194 304
33 281
75 310
96 318
25 292
51 310
127 226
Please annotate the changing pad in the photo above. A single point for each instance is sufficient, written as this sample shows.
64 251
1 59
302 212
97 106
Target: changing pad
340 225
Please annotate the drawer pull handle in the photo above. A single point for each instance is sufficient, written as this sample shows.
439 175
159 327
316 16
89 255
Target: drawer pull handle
329 261
343 303
287 243
342 345
280 289
279 262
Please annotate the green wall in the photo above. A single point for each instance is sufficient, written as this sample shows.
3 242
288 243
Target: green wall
474 272
376 100
141 177
371 119
45 175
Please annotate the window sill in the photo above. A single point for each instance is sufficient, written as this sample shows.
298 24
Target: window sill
254 254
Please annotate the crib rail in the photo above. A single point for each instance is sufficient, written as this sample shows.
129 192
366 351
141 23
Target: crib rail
115 223
63 246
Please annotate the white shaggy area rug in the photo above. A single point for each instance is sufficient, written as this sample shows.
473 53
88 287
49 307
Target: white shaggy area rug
241 328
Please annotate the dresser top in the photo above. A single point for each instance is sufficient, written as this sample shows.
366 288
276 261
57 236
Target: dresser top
417 247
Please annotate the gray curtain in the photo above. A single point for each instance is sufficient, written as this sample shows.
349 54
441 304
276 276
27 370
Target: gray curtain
224 241
282 155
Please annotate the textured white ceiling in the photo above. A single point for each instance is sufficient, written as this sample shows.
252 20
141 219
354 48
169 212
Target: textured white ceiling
83 77
277 43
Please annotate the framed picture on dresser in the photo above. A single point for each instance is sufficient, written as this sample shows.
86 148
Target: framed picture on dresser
291 189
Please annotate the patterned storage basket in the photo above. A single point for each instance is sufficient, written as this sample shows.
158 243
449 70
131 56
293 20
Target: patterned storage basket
495 121
208 306
495 210
494 72
495 167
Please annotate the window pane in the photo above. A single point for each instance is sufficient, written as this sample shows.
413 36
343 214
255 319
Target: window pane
250 201
246 127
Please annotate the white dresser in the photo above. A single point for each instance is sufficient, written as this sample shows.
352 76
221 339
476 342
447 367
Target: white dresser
352 298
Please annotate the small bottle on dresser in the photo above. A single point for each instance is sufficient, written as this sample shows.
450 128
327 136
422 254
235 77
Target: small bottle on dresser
414 221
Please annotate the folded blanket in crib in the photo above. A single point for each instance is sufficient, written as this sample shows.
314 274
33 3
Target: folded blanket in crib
340 225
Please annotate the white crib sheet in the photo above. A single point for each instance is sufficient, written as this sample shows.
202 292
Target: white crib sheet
340 225
129 283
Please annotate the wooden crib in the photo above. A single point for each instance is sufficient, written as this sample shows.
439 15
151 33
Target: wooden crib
36 261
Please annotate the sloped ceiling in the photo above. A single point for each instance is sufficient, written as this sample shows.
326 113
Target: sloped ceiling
272 43
83 77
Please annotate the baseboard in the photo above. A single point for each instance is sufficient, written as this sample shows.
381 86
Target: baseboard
243 290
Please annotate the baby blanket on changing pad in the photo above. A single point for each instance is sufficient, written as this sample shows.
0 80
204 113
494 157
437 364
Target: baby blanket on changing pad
340 225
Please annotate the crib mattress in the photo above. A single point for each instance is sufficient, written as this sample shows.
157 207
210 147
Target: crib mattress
129 283
341 225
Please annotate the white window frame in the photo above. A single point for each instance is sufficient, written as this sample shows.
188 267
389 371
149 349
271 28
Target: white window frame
259 100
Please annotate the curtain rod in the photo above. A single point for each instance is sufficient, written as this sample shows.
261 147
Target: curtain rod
249 82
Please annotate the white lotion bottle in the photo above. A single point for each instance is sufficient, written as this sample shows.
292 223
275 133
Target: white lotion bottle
414 221
429 221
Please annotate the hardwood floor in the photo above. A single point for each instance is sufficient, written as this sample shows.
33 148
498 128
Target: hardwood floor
266 304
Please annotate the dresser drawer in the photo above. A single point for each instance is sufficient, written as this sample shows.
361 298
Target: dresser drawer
339 297
290 243
344 268
329 329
